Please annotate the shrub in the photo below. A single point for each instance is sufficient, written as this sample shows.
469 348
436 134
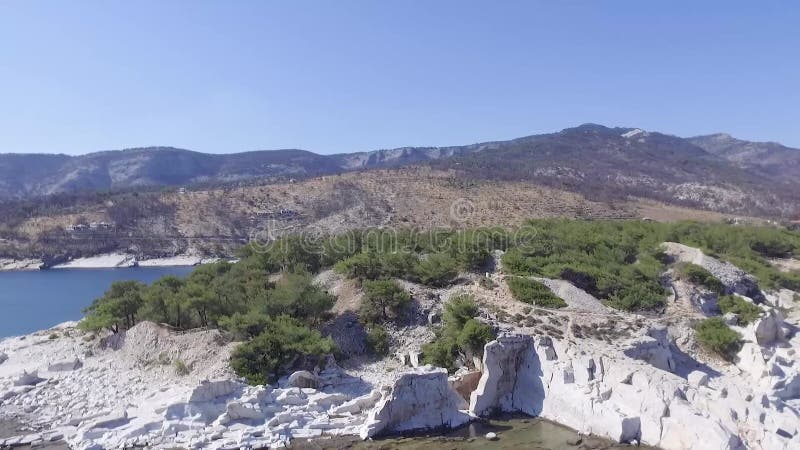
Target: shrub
437 270
746 311
716 336
273 352
458 310
180 367
698 275
460 334
474 336
534 292
378 341
383 300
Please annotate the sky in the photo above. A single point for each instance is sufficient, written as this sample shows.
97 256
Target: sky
342 76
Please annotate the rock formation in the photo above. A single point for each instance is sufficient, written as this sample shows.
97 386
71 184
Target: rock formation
420 399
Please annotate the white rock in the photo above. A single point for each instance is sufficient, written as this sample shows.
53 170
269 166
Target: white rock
491 436
65 366
303 379
211 390
28 379
697 379
511 379
419 400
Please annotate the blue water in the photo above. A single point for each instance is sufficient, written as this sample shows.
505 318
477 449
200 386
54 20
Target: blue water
37 300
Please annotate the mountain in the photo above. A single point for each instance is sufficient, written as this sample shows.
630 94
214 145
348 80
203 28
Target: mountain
713 172
771 158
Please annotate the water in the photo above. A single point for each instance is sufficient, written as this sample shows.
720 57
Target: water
513 432
37 300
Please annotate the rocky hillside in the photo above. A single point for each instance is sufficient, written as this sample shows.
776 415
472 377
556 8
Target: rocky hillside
775 159
712 172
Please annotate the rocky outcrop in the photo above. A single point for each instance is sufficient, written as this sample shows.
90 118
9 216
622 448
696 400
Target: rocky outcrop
599 392
511 379
419 400
652 347
734 279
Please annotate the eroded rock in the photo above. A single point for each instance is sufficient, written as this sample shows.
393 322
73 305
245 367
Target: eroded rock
419 400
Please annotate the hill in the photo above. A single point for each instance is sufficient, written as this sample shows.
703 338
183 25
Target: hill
713 172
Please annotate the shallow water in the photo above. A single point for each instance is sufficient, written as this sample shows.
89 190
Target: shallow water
513 432
39 299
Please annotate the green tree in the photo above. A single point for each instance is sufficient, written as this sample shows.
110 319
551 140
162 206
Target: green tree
161 302
117 309
438 270
277 349
383 300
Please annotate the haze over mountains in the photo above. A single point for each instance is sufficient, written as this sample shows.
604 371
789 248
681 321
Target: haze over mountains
715 171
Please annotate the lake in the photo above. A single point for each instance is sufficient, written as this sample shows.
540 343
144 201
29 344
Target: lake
37 300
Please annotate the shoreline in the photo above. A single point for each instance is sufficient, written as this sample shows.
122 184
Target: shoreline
108 261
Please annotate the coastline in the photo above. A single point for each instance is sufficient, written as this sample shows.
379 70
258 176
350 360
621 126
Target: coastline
108 261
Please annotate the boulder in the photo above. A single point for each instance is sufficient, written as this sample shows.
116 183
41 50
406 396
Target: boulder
686 428
419 400
652 347
28 379
697 379
243 411
359 404
731 319
303 379
769 328
65 366
511 380
211 390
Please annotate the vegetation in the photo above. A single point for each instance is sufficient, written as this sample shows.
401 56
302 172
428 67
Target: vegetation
269 299
534 292
460 336
700 276
378 341
383 300
746 311
283 341
716 336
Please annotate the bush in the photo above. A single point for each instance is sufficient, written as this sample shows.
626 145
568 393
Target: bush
534 292
698 275
716 336
474 336
383 300
273 352
460 335
378 341
437 270
746 311
180 367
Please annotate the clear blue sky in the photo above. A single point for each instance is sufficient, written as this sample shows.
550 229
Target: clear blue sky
339 76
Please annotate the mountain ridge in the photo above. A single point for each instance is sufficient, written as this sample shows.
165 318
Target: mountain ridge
613 161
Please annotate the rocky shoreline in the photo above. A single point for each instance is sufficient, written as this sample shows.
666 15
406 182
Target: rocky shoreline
106 261
624 377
